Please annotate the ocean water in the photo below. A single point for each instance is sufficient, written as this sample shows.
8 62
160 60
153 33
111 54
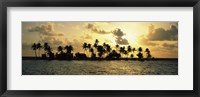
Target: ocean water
115 67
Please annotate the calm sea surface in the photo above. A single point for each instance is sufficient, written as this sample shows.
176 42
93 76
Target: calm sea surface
116 67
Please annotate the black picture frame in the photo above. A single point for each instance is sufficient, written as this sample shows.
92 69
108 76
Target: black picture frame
98 3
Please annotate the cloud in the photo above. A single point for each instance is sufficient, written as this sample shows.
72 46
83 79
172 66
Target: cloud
95 29
60 34
118 35
57 41
26 45
60 25
170 46
121 41
87 36
90 26
145 41
45 29
52 40
161 34
48 34
108 41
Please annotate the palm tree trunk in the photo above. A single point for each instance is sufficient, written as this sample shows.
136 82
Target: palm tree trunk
35 53
39 53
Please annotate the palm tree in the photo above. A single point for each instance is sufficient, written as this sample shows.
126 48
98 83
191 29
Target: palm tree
46 46
140 55
84 46
148 54
68 49
129 49
34 47
140 49
89 46
108 48
60 49
39 46
126 53
133 50
49 52
101 50
104 45
95 45
92 52
132 56
122 50
147 50
96 41
47 49
117 47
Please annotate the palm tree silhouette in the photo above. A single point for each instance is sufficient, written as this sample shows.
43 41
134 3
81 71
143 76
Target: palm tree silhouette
108 48
93 55
147 50
46 47
39 46
34 47
104 45
122 50
132 56
129 49
140 55
88 46
133 50
148 53
96 41
126 53
60 49
104 51
95 45
68 49
101 51
91 50
116 47
85 46
140 49
49 52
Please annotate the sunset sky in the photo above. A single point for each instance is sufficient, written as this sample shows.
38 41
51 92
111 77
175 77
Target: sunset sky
160 37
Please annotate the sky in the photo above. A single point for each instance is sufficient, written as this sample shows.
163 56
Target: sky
160 37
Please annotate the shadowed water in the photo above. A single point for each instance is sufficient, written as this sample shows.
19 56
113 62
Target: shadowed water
115 67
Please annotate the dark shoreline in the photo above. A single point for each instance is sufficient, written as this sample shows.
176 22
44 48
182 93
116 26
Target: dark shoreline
40 58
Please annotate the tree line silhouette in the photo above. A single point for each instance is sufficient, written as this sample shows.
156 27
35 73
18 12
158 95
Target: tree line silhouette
96 51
